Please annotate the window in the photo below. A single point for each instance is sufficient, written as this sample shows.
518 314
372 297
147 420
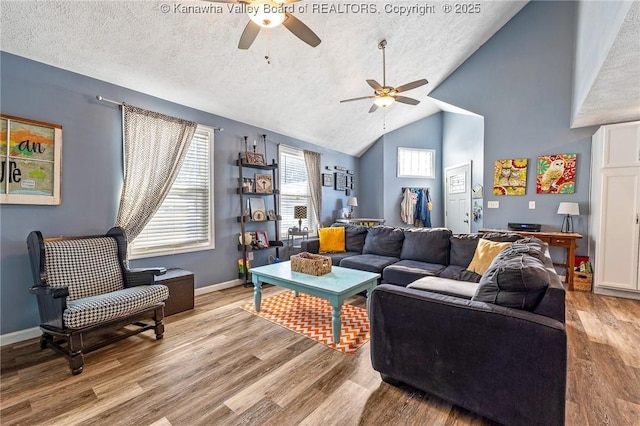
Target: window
184 221
418 163
294 190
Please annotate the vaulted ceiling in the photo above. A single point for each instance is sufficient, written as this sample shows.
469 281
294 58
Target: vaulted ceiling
186 52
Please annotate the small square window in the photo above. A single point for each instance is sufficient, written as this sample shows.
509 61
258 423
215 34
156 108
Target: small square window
416 163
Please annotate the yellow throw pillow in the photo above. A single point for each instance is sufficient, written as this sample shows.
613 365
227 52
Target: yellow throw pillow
486 251
331 240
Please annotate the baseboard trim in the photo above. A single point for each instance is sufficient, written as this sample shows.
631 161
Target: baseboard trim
217 287
19 336
30 333
616 293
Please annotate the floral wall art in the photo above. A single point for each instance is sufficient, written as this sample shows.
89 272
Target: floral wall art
510 177
556 174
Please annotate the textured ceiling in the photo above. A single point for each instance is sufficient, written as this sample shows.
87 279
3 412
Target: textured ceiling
170 51
614 96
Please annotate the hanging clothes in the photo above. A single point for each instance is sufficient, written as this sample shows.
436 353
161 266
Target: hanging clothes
408 206
422 212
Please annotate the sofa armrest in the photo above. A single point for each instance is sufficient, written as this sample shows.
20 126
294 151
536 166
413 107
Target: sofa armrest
311 245
505 364
52 301
142 276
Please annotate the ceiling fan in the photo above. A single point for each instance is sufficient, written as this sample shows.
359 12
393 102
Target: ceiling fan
386 95
270 14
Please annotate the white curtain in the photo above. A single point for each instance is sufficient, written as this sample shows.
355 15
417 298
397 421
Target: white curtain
155 146
312 161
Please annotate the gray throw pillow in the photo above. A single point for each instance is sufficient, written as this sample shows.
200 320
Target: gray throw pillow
429 245
516 281
383 241
354 236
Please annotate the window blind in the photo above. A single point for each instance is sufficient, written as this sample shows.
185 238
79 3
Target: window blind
294 189
184 221
415 162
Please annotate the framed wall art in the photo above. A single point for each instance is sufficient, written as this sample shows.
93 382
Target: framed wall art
556 174
30 161
340 183
327 179
510 177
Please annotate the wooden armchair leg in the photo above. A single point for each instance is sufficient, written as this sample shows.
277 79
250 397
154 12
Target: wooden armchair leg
76 359
45 339
158 317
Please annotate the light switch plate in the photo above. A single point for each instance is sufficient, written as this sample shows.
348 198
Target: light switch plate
532 205
493 204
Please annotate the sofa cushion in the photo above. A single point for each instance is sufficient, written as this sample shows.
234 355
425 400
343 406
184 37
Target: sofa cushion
463 246
108 306
368 262
446 286
515 281
486 251
460 273
407 271
336 258
384 241
354 236
429 245
331 240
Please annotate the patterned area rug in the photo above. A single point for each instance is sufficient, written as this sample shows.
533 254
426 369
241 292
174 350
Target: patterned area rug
311 317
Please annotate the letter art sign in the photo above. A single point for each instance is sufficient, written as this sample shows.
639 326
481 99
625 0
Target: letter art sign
30 157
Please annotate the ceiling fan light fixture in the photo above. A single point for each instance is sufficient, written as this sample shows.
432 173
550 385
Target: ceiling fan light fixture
267 14
384 101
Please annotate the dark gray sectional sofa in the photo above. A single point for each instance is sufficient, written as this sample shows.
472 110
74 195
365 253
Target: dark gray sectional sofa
494 344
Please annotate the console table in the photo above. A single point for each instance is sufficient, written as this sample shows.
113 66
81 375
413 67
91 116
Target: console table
566 240
362 221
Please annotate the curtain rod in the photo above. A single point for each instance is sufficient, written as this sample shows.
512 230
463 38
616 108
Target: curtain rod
100 98
103 99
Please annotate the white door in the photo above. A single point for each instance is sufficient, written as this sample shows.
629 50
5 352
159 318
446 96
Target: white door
457 215
617 244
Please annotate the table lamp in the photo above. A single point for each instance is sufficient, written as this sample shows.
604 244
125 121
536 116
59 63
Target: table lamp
300 212
352 202
568 209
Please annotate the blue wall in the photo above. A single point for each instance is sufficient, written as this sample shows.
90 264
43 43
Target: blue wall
463 142
520 81
92 176
424 134
371 200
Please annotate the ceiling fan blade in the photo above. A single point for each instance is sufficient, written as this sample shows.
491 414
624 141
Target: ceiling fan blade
374 85
405 100
300 30
248 35
358 99
373 108
411 85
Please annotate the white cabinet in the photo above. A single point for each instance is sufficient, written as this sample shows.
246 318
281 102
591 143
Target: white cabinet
615 209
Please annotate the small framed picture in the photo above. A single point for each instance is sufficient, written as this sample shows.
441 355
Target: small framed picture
255 158
263 183
327 179
271 215
340 183
262 238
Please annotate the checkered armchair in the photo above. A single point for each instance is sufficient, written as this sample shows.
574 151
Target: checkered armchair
84 287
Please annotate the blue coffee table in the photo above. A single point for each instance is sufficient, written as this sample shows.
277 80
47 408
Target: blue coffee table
336 286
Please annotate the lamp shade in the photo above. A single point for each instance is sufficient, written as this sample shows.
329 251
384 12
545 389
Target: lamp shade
572 209
300 212
352 201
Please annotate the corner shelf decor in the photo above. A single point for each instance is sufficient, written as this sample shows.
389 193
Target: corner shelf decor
253 209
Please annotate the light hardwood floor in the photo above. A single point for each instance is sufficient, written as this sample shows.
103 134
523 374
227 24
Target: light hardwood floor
219 365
